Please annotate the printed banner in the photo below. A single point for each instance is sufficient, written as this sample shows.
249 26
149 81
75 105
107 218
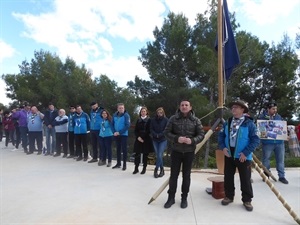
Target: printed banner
272 129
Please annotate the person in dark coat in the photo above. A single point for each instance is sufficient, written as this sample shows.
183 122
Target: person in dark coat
49 121
157 127
143 142
9 128
184 130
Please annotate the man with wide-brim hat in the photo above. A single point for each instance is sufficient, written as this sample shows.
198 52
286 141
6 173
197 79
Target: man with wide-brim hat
240 103
237 140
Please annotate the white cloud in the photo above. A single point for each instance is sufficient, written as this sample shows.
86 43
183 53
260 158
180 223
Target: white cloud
265 12
190 8
7 51
87 30
293 30
4 100
83 31
120 70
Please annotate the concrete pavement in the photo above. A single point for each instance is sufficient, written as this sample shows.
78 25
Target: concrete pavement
37 190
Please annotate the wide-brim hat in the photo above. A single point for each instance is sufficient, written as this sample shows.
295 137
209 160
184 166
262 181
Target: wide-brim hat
241 103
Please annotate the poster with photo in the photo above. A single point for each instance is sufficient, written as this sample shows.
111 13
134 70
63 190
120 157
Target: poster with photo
272 129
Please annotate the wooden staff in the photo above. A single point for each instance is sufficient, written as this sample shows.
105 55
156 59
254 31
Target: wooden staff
276 192
198 147
263 167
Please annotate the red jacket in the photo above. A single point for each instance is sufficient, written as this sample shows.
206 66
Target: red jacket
8 123
298 131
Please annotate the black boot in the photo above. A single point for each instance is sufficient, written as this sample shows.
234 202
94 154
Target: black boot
136 170
183 203
144 170
155 173
170 202
124 167
162 172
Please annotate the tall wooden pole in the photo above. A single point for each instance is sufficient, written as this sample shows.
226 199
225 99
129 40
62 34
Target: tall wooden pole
220 54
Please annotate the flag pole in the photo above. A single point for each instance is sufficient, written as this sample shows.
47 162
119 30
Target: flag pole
220 57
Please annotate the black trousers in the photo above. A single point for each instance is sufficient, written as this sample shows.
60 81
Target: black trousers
71 143
186 159
35 136
18 137
95 143
137 159
62 140
244 169
121 143
1 132
81 144
9 134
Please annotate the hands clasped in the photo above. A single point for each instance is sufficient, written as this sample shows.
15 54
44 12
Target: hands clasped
184 140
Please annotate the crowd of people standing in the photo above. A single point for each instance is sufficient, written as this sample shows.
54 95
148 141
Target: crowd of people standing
68 134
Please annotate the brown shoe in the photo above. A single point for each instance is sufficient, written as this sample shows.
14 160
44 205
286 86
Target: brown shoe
226 201
248 206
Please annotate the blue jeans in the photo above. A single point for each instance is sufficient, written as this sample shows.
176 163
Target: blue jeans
50 133
121 142
279 156
105 145
159 148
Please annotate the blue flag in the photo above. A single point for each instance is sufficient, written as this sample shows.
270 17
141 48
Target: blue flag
231 56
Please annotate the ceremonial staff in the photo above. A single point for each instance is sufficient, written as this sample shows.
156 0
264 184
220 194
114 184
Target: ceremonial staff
276 192
263 167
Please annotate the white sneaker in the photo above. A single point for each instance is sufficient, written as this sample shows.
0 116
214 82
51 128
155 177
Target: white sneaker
15 149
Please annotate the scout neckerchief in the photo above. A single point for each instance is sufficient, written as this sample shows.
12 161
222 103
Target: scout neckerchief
235 125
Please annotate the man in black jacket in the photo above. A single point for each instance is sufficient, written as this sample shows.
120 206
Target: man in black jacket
184 130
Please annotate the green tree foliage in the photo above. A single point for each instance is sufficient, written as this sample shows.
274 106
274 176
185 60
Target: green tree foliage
109 95
166 60
182 63
47 79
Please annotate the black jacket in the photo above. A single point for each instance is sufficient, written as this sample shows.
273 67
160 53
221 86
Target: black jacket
189 126
157 127
49 118
142 129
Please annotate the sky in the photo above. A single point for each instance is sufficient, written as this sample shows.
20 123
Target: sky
106 36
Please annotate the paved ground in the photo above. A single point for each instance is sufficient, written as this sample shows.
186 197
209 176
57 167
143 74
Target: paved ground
38 190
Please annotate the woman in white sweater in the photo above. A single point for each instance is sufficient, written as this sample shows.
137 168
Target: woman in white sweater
61 131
